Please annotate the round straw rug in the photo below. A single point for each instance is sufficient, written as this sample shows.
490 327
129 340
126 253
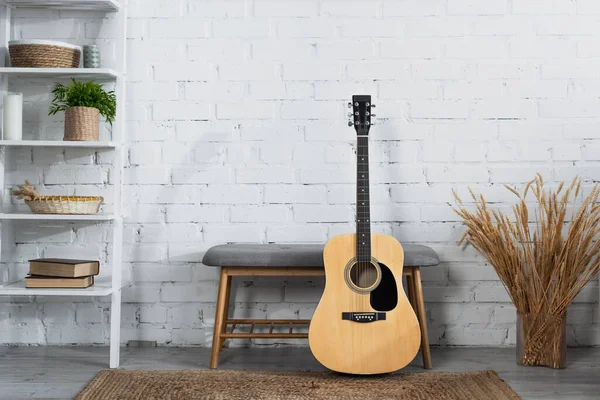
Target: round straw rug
247 385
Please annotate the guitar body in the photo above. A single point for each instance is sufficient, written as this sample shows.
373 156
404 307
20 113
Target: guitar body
375 347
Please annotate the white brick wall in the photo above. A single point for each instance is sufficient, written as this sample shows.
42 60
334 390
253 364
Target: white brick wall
236 128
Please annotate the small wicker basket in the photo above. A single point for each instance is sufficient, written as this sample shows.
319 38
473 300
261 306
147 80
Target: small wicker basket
43 54
57 204
65 205
82 124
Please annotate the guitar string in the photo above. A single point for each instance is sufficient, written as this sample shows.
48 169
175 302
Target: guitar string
367 214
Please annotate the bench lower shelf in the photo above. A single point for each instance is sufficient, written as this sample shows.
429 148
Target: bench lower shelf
272 323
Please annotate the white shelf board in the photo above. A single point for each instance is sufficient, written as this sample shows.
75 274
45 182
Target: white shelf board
56 143
96 74
94 5
56 217
99 288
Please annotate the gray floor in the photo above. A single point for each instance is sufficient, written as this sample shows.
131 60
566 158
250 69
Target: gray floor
61 372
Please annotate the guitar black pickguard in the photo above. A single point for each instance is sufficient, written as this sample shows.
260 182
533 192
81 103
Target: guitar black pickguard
385 295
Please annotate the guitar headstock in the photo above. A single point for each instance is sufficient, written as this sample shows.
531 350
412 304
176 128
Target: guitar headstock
361 114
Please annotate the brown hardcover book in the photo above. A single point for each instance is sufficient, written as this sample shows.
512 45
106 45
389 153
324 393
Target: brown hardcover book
63 268
46 282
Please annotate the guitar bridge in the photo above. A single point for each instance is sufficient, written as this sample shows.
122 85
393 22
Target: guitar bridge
363 317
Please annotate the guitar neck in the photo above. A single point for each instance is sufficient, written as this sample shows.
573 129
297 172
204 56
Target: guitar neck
363 207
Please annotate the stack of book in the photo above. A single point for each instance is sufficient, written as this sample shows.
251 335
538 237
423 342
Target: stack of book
61 273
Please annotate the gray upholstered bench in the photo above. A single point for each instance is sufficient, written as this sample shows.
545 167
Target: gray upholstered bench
296 260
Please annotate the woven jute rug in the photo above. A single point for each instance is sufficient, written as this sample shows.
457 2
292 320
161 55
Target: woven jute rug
248 385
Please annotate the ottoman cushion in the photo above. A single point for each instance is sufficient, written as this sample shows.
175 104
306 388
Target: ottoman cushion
297 255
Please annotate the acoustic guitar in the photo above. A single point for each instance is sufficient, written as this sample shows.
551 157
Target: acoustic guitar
364 323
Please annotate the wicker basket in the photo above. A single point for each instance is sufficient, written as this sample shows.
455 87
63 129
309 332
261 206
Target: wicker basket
82 124
43 54
65 205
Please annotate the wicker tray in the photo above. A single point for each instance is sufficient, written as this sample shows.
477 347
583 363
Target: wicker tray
43 54
65 205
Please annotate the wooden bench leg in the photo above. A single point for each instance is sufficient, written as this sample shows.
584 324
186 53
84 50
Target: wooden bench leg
219 318
421 316
226 307
410 288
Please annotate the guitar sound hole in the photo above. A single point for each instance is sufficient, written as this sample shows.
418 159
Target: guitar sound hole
364 275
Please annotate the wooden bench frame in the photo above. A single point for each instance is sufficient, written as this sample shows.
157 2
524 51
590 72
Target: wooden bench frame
222 321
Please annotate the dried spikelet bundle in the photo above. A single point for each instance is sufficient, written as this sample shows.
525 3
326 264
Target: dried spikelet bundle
541 270
26 192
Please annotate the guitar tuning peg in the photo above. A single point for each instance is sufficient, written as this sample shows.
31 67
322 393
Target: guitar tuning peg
373 106
349 114
349 105
373 115
350 123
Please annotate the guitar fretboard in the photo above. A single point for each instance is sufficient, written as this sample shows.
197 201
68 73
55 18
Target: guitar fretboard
363 210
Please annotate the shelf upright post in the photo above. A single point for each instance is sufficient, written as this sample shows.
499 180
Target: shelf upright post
117 225
5 236
5 29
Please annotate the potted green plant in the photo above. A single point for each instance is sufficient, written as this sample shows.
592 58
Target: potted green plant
83 103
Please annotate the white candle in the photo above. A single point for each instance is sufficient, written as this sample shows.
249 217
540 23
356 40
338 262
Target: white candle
13 116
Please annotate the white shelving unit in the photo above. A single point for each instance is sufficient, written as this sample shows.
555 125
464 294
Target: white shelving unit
112 285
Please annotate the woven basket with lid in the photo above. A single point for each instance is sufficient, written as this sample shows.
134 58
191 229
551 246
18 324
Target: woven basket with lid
43 54
82 124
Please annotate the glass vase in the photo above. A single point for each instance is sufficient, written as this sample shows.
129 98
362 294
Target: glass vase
542 340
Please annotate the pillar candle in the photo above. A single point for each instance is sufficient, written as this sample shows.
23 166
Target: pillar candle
13 116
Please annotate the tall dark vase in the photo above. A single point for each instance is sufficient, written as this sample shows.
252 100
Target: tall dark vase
542 340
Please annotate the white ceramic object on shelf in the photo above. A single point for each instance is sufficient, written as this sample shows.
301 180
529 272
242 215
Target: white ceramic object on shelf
13 116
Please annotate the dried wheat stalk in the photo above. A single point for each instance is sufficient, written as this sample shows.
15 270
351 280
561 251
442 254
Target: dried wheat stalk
541 270
26 192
